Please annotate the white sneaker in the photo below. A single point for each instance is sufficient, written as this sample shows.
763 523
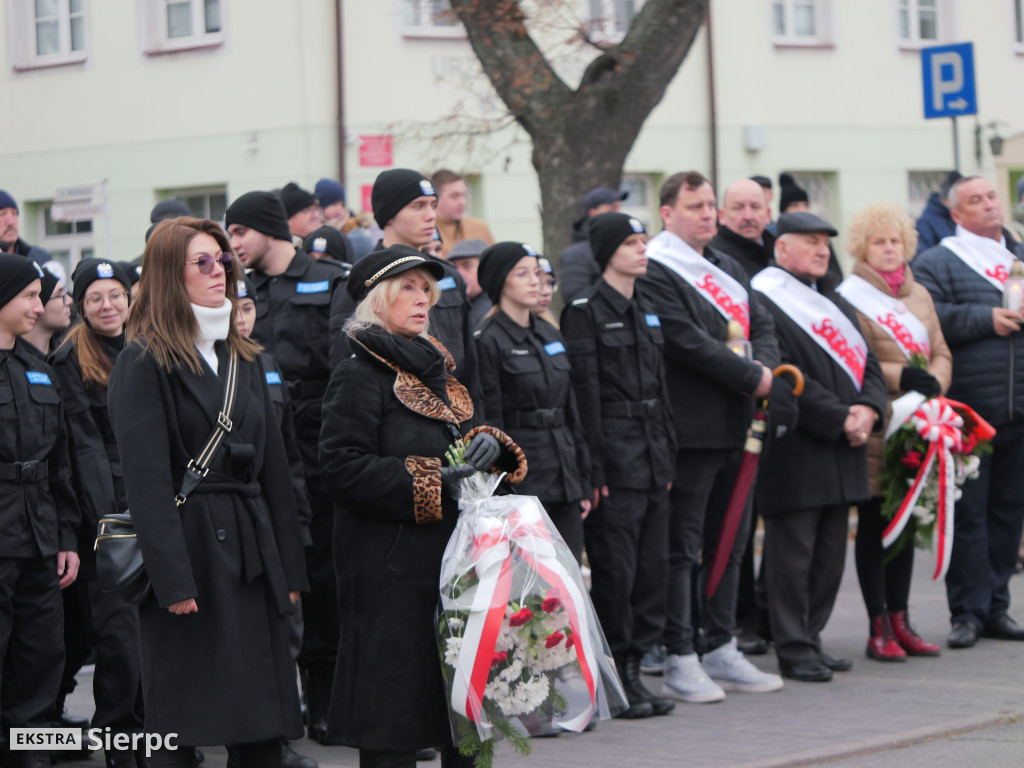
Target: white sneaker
686 680
733 672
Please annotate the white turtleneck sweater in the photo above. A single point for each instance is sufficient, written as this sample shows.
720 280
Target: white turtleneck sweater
213 327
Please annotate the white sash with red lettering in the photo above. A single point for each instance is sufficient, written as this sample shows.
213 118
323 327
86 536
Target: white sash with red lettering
988 257
888 313
720 289
818 317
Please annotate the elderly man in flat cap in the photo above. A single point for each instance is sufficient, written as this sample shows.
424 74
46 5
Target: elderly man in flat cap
815 466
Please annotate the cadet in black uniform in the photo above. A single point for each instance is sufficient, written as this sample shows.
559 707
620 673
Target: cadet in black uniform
527 389
293 307
40 516
83 364
404 205
615 347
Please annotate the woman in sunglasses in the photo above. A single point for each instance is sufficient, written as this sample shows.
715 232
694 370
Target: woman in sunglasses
83 364
227 564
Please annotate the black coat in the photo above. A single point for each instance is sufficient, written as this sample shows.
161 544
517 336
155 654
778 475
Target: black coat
95 463
710 385
618 373
577 270
224 675
934 223
988 370
813 465
381 450
749 254
527 390
39 512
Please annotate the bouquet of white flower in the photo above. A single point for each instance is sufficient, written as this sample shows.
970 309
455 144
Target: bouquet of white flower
522 651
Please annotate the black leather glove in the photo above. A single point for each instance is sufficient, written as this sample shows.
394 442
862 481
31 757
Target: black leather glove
482 452
919 380
450 477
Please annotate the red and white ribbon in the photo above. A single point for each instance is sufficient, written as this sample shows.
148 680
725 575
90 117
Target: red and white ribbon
939 425
497 541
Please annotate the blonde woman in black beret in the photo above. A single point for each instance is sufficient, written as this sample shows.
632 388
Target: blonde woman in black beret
390 412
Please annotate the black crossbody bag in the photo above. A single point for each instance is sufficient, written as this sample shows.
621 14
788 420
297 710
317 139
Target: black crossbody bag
119 565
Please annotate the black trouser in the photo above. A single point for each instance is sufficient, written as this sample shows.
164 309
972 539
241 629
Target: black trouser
31 641
117 680
705 480
566 518
320 633
78 636
885 586
987 532
751 596
627 548
805 552
261 754
372 758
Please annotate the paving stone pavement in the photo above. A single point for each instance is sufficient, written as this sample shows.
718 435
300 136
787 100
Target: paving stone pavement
871 709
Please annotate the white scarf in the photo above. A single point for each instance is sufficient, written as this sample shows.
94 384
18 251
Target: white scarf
888 313
989 258
716 286
213 327
818 317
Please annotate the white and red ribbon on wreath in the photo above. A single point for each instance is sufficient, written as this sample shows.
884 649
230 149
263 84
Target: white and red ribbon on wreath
493 555
940 426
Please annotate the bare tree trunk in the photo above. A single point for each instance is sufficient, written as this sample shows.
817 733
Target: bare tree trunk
580 137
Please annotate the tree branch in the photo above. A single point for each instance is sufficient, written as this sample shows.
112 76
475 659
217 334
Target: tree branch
511 59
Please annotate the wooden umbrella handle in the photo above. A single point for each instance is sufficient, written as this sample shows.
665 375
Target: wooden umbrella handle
798 377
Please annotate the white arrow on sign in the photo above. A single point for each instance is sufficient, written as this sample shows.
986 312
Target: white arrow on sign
959 104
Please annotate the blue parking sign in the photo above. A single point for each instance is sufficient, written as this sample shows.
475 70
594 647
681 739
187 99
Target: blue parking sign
948 76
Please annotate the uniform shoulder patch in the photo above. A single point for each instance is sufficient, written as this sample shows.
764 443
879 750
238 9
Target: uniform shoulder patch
579 301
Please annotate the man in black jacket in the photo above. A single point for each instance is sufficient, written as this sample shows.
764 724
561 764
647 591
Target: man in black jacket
576 266
294 304
814 467
742 234
965 275
698 292
10 241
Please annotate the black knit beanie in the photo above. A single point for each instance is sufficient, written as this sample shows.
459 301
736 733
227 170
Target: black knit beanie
495 264
169 209
396 188
790 192
295 198
607 231
262 211
88 271
49 281
16 272
326 241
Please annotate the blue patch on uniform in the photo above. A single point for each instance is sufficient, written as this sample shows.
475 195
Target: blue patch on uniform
320 287
555 348
38 377
446 284
273 377
653 321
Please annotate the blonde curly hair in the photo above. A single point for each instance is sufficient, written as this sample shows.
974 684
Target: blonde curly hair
869 221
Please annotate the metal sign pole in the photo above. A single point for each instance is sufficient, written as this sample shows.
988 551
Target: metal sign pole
956 146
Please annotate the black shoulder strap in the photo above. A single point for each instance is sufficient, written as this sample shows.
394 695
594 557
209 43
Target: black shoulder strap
199 466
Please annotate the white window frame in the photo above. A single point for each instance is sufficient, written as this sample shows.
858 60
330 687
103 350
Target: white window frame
823 36
77 245
603 29
425 10
21 36
202 191
943 24
154 33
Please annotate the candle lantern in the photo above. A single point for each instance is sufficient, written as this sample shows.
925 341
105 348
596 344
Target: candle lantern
1013 288
737 342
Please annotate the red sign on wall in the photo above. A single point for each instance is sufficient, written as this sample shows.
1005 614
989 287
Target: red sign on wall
375 151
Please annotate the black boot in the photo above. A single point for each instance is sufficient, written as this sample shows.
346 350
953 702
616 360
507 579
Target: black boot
659 704
317 680
629 672
292 759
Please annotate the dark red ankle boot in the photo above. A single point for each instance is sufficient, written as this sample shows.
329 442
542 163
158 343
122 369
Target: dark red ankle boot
908 639
882 646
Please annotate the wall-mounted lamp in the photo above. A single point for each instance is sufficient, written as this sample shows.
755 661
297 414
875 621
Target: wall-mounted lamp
995 141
